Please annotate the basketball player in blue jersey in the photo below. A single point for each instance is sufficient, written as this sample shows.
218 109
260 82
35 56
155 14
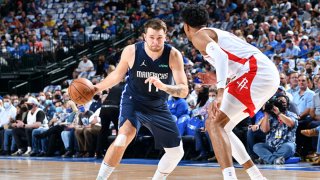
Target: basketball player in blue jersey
150 65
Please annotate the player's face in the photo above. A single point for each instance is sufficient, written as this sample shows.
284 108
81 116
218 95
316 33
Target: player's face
155 39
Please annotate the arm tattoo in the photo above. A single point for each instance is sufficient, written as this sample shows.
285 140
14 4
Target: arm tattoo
175 90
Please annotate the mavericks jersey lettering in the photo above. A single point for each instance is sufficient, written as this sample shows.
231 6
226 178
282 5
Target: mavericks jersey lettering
143 68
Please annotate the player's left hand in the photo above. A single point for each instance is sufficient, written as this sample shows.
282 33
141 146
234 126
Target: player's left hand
156 82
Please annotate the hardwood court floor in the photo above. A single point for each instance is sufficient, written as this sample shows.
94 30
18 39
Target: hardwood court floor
50 169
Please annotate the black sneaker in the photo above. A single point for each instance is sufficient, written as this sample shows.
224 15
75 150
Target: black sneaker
33 154
41 154
67 154
259 161
199 158
5 153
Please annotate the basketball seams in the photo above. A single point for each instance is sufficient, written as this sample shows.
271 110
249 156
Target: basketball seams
79 92
82 84
78 81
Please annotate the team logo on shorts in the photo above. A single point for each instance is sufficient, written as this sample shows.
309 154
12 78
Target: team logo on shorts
243 84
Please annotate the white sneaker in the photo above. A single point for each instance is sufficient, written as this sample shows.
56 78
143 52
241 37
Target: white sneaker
17 153
279 161
27 153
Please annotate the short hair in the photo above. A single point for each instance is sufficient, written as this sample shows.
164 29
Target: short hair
7 97
303 75
288 41
293 72
155 24
195 15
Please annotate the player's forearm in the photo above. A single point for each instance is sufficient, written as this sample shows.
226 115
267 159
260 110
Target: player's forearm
179 90
110 81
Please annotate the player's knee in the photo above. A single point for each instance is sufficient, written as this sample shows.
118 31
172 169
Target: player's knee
120 141
175 152
219 121
129 131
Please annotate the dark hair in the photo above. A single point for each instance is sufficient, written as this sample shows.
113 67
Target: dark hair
288 41
195 15
155 24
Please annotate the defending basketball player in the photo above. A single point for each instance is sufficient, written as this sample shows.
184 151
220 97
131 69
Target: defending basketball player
254 79
150 64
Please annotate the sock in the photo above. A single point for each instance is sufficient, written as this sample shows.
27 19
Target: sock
29 149
229 173
255 173
105 171
159 176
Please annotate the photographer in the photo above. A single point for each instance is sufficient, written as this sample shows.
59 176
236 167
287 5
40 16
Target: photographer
280 125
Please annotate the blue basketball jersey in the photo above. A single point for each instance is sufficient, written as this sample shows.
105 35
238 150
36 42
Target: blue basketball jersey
142 104
143 68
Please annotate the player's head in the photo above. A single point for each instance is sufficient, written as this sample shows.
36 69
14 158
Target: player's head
155 34
195 16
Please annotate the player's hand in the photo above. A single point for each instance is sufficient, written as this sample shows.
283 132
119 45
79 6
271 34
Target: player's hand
217 102
156 82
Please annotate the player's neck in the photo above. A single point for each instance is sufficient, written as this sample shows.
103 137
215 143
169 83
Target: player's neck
193 31
154 54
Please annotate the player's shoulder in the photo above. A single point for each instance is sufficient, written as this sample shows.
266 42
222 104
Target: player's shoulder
130 47
203 36
175 52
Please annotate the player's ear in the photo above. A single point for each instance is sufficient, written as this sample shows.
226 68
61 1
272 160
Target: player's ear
144 36
185 26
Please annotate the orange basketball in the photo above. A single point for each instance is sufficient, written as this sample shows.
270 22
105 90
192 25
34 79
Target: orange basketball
81 91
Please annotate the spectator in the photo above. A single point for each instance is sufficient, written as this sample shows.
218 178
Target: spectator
303 99
22 111
280 126
38 23
293 79
68 135
286 69
102 65
83 134
179 109
285 27
57 124
85 68
291 51
35 118
50 22
7 115
95 103
81 38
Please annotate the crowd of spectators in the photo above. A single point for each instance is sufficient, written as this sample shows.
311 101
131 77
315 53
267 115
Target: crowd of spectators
286 31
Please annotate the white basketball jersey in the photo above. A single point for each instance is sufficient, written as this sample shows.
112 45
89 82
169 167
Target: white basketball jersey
237 49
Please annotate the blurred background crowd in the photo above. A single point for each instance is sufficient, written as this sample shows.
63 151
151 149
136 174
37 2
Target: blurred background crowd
47 123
